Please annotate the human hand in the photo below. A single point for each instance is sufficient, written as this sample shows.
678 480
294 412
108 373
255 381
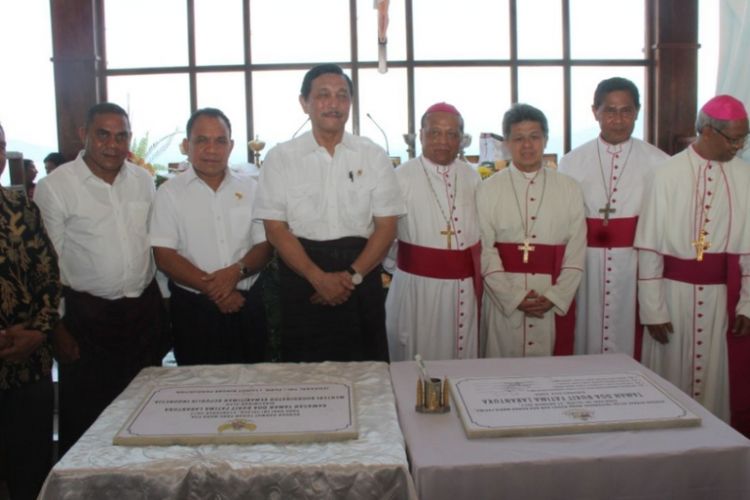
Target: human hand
64 345
332 289
232 303
19 343
535 305
219 284
660 332
741 325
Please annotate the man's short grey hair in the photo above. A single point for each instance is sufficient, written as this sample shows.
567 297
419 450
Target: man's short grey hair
704 120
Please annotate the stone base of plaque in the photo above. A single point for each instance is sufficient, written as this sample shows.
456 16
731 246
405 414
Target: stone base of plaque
291 413
530 406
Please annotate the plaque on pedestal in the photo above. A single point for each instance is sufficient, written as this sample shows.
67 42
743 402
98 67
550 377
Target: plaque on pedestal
234 414
527 406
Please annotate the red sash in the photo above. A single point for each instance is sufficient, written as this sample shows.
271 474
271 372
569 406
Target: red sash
722 269
442 264
545 259
618 233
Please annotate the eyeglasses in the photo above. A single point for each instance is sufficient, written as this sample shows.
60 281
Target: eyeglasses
738 142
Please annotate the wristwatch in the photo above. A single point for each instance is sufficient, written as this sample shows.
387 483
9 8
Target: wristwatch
356 277
244 270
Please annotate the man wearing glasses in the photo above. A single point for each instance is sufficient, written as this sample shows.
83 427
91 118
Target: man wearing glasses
533 246
693 238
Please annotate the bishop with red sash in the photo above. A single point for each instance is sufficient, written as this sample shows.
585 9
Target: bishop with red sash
533 246
432 306
612 171
693 238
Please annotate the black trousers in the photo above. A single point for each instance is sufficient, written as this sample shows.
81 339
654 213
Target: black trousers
352 331
205 335
26 414
116 338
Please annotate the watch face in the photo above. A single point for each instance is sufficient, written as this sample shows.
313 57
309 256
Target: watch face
356 278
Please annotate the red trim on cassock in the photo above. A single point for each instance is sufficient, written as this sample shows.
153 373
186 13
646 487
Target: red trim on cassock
618 233
545 259
442 263
723 269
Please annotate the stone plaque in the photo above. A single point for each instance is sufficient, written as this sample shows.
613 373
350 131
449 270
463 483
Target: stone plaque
231 414
525 406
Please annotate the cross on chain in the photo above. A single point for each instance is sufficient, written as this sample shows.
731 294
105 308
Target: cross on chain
448 233
526 248
701 244
606 211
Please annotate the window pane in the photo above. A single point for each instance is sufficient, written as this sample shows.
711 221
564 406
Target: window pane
543 88
157 36
226 91
218 32
27 100
470 29
384 98
583 84
708 54
367 31
299 31
539 36
481 95
159 106
278 115
607 29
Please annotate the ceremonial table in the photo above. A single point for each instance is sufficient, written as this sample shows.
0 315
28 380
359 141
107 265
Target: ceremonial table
373 466
711 461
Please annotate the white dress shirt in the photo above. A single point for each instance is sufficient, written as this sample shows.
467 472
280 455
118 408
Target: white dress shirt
211 229
99 230
324 197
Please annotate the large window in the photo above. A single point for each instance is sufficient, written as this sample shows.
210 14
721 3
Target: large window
248 58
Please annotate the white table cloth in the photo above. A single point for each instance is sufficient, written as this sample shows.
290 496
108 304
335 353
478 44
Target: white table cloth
372 467
707 462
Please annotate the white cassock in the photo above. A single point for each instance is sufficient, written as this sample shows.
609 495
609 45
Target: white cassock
435 317
548 209
606 300
689 194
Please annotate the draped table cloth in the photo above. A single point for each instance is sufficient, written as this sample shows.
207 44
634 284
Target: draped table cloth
709 461
373 466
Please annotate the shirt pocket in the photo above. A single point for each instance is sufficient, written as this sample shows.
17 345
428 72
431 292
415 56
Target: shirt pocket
241 220
137 218
356 203
303 203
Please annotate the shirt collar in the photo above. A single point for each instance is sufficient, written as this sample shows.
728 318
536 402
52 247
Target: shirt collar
310 145
191 176
440 169
83 171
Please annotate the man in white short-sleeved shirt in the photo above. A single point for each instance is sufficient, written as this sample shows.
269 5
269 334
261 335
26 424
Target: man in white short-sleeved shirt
329 201
205 240
96 214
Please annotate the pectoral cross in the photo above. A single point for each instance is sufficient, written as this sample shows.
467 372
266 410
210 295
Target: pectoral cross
606 211
448 234
700 245
526 248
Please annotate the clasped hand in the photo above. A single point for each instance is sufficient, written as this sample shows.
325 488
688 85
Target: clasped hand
17 343
535 305
332 289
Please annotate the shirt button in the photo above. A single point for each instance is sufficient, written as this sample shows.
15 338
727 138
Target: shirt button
531 343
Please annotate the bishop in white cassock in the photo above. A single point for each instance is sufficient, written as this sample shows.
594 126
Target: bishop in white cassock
612 171
533 246
694 266
432 306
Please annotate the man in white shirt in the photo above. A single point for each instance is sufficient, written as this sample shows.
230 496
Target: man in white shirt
612 171
693 241
533 246
206 241
329 201
96 213
432 307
